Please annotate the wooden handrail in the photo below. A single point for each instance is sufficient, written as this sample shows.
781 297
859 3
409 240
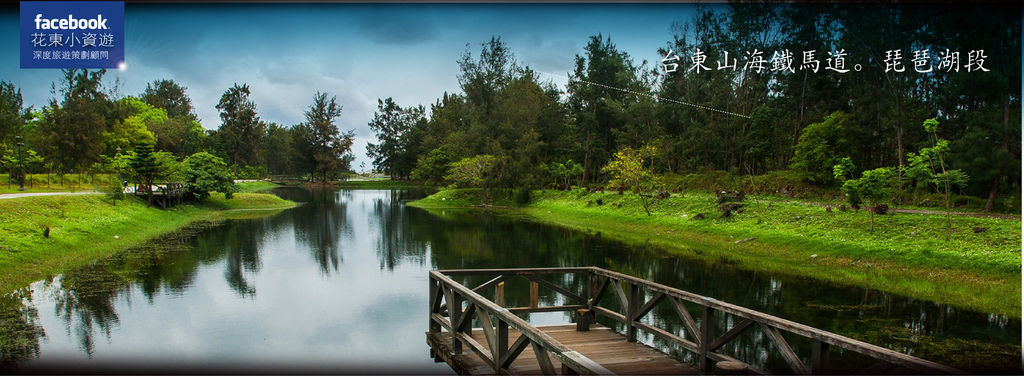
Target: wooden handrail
706 341
501 357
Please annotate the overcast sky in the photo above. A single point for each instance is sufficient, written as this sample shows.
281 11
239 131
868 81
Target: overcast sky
358 52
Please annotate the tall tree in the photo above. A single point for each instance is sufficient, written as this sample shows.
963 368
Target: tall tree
170 96
12 116
240 127
329 148
72 128
397 136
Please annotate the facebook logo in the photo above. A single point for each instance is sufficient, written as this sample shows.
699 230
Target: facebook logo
72 34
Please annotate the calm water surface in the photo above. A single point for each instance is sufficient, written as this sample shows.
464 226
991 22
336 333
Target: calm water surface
339 284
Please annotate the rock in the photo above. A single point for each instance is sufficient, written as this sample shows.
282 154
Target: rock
814 255
745 240
828 209
599 202
116 237
728 208
880 209
46 232
698 216
978 230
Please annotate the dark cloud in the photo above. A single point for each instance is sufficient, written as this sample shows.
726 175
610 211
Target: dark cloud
399 29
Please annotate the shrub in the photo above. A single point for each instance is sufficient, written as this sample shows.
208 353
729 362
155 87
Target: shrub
204 173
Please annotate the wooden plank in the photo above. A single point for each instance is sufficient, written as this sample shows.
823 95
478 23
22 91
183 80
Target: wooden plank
647 307
543 359
546 308
787 352
557 288
534 295
599 293
689 345
517 348
492 282
623 300
687 319
729 335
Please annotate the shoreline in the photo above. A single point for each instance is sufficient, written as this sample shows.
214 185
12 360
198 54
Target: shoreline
85 228
804 249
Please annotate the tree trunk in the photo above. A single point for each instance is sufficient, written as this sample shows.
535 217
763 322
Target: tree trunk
993 193
872 212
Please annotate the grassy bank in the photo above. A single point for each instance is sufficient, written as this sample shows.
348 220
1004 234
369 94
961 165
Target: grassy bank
85 228
256 186
906 254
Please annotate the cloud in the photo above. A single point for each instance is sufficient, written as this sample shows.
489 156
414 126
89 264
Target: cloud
398 29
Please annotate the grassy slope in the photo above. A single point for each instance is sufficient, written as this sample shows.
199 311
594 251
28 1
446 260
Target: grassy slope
82 229
906 254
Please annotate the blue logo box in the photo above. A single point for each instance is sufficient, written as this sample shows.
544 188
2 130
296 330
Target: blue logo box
72 34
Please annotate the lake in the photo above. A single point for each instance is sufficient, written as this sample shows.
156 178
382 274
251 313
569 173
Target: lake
339 284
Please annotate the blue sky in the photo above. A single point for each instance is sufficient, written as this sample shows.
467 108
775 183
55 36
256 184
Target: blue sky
358 52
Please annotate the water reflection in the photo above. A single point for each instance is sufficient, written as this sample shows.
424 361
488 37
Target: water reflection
339 283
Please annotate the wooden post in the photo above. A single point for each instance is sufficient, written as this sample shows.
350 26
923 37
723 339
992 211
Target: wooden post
584 317
433 326
533 294
499 296
631 308
707 334
502 345
819 357
455 314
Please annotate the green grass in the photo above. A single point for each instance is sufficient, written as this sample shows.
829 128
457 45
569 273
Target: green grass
52 183
906 254
256 186
85 228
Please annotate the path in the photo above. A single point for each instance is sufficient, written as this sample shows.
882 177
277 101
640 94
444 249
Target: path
34 194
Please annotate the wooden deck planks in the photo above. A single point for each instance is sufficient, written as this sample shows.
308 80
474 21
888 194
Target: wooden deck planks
600 344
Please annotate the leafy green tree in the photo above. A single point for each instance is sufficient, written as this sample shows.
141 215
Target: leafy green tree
171 97
329 149
627 169
433 167
471 171
135 128
563 172
205 173
12 115
874 185
395 129
819 149
240 127
146 168
71 130
941 176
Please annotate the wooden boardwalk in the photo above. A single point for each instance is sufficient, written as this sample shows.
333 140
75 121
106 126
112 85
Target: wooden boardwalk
603 345
480 335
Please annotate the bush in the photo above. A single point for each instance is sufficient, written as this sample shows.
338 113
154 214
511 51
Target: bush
204 173
819 149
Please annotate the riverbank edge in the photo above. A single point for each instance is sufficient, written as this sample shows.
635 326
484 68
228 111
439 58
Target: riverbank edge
82 247
775 253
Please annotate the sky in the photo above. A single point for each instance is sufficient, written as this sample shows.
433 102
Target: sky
357 52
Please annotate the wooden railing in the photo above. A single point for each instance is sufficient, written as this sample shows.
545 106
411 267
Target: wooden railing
631 294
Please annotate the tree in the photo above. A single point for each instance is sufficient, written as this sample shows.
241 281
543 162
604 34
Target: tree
12 116
133 129
874 185
394 127
471 171
146 168
170 96
204 173
942 177
627 169
72 129
329 149
432 167
240 127
819 147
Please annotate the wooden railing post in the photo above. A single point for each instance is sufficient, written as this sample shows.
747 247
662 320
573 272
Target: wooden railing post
502 345
819 357
533 294
455 313
499 294
631 308
434 327
707 334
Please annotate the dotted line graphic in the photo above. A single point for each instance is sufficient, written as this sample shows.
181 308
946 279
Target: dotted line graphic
655 97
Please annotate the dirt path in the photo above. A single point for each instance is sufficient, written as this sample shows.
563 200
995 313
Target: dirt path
34 194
